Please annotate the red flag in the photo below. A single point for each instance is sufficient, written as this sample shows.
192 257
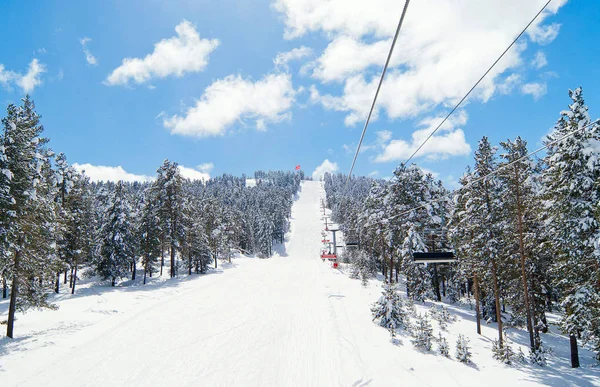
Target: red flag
298 167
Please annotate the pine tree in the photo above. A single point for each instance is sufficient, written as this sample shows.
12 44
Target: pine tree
168 190
571 191
484 211
418 287
362 266
5 216
521 218
149 232
443 347
31 259
463 350
422 333
117 247
538 356
390 310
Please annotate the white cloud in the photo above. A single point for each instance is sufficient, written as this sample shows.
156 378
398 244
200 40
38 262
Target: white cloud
91 59
326 166
345 56
193 174
282 58
206 167
539 61
544 34
509 83
537 90
234 99
449 141
6 76
174 56
443 49
29 81
105 173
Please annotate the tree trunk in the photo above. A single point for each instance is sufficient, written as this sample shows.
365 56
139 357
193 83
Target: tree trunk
57 284
12 307
436 283
4 287
162 257
74 278
497 301
71 278
574 351
133 269
391 267
477 313
66 272
113 281
189 265
444 287
172 260
145 271
523 271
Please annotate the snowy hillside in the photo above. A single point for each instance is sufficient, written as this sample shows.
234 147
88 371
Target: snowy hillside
291 320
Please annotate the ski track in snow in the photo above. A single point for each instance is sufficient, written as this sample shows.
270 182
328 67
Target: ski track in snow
291 320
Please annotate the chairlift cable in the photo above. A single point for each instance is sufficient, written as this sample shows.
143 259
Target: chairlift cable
474 86
362 136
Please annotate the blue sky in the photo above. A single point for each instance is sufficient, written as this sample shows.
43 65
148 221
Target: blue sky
245 85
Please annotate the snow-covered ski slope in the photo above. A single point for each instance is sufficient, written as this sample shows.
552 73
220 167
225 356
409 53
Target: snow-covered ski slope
291 320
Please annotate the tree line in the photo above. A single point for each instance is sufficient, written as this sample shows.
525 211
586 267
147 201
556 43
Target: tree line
54 221
525 231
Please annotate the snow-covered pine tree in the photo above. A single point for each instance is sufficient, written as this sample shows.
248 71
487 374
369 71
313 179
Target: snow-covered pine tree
31 259
442 316
117 242
5 215
503 353
417 284
64 182
571 190
462 228
149 232
422 333
539 355
443 347
81 229
521 218
463 350
484 211
390 311
363 267
168 189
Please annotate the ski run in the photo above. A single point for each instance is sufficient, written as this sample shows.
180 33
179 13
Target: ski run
291 320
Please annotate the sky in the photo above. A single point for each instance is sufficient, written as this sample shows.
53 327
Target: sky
237 86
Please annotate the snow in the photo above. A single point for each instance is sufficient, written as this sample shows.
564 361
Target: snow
291 320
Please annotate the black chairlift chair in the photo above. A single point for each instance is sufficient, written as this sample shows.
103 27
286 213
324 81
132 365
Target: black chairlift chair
434 256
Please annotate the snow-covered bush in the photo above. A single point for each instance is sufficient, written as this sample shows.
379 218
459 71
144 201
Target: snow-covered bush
503 353
520 356
362 266
442 316
423 333
463 351
443 347
390 311
539 355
